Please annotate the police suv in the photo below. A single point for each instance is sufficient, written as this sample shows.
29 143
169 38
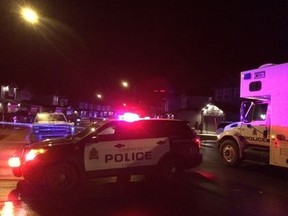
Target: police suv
162 147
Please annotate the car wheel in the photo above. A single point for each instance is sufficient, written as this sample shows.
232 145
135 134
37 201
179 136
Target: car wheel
230 153
61 178
170 169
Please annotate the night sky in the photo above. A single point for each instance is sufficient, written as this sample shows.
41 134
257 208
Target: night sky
85 46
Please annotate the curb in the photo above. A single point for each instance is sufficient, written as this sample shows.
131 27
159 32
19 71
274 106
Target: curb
208 137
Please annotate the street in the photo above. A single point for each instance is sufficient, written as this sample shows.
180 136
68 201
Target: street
210 189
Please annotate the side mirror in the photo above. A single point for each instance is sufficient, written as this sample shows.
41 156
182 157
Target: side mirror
94 139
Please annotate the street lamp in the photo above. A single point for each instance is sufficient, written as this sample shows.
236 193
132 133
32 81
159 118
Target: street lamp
29 15
99 96
125 84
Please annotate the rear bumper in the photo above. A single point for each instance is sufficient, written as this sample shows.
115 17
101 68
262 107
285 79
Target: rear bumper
30 172
17 172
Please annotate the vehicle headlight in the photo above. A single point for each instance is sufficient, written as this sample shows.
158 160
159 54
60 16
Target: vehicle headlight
33 153
14 162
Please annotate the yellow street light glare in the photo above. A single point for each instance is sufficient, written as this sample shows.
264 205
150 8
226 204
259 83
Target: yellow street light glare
125 84
29 15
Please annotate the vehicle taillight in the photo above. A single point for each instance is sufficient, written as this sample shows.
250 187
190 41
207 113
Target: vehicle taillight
197 140
14 162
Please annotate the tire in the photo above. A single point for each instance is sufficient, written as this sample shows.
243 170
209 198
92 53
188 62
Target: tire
170 169
61 178
230 153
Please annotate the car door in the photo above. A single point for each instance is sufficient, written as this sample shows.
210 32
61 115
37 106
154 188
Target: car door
255 130
145 146
103 151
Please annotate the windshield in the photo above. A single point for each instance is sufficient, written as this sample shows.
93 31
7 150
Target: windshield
253 111
86 131
49 117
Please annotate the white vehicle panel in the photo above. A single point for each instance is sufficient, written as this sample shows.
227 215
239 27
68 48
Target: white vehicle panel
106 155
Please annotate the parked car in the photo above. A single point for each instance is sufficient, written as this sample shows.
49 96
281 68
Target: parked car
50 125
154 147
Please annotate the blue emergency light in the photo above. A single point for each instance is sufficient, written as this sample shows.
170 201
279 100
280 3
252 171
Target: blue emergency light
247 76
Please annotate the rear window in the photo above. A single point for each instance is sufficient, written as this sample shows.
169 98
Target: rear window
172 129
180 130
151 129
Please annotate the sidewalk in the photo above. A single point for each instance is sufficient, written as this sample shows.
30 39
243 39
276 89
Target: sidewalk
206 135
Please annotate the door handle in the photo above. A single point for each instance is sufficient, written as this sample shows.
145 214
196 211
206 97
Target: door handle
161 142
119 145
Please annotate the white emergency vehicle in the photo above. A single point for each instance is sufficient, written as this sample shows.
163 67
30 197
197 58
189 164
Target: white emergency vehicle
262 133
161 147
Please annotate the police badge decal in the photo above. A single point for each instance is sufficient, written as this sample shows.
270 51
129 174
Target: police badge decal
93 154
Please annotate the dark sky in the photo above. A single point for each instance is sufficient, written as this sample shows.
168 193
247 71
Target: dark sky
86 46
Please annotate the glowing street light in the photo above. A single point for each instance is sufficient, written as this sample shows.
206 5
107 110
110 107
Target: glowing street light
125 84
99 96
29 15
